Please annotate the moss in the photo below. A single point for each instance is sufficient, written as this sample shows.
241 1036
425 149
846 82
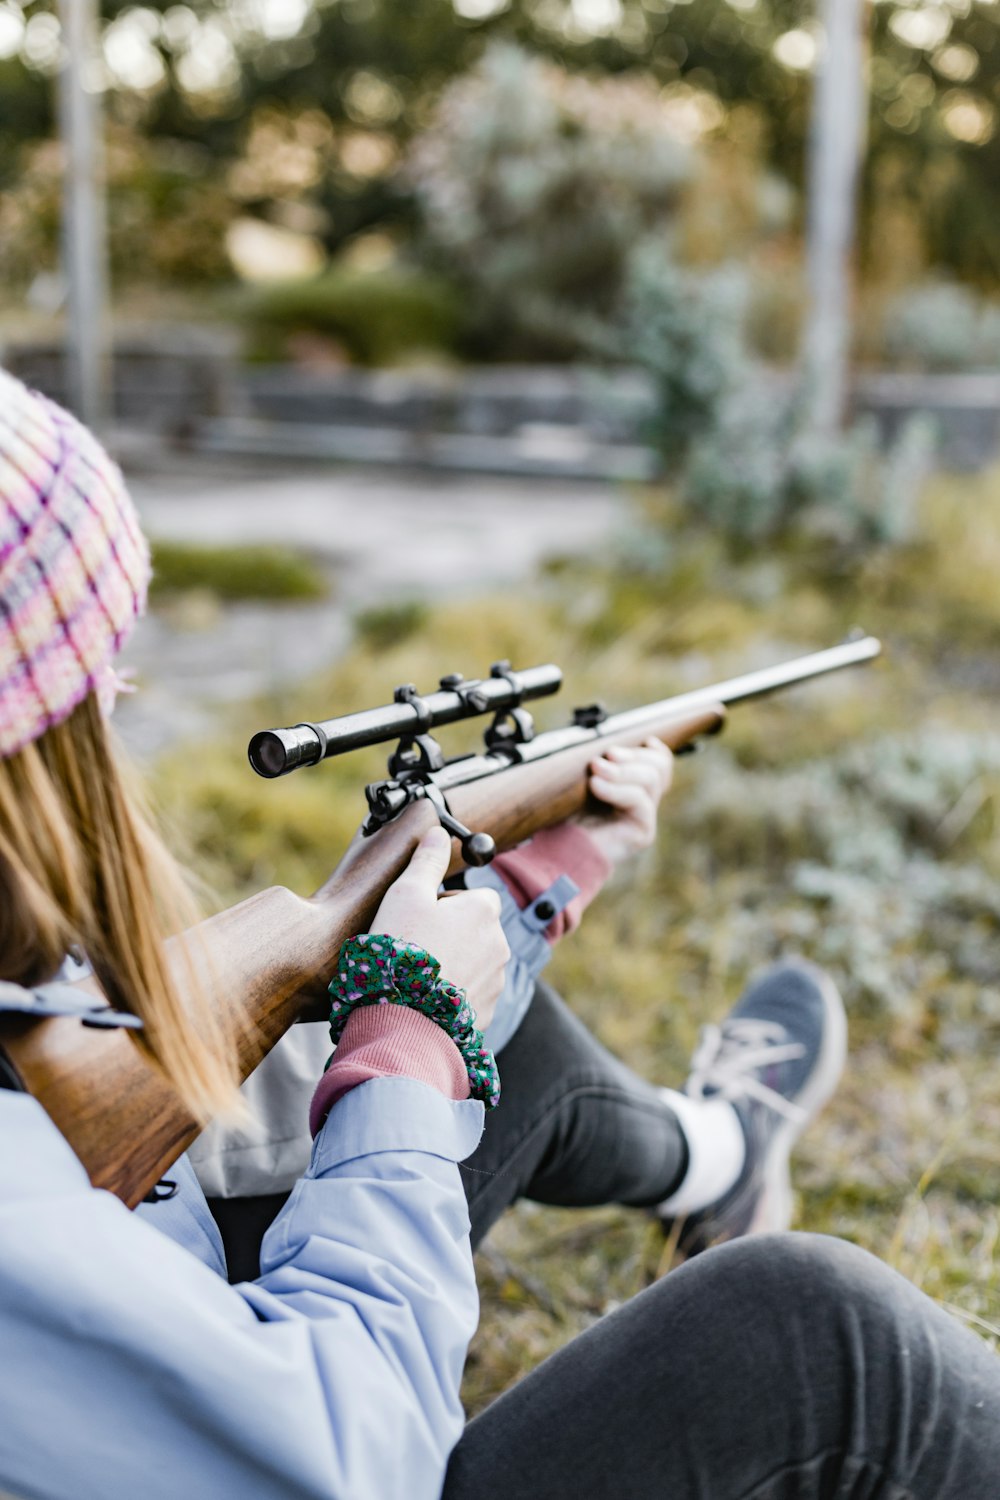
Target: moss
377 317
388 625
271 573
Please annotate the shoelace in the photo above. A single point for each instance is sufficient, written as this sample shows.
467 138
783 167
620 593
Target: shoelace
727 1058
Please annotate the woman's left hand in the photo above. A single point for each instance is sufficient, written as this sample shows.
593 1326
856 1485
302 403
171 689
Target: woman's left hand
629 780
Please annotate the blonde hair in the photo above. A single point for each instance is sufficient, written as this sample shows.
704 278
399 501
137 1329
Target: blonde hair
82 866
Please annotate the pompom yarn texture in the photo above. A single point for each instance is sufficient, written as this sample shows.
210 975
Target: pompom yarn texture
74 565
374 969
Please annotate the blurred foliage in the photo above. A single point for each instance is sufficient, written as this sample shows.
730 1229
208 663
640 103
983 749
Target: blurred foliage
544 192
167 219
855 820
740 439
534 186
687 328
910 812
939 325
345 84
374 317
761 470
235 572
386 625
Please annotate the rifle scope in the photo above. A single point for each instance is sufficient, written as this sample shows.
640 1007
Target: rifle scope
275 752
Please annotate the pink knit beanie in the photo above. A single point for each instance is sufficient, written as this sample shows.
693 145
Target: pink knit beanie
74 566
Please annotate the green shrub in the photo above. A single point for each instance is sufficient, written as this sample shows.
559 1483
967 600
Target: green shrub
535 185
877 860
387 625
235 572
942 326
377 316
760 470
739 439
687 330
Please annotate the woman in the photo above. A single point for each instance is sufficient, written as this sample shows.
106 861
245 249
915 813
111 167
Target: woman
778 1366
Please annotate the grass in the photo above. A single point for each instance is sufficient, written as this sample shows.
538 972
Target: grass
230 573
854 820
377 317
385 625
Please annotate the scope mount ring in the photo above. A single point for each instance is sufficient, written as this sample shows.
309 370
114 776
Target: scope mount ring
512 726
415 754
407 693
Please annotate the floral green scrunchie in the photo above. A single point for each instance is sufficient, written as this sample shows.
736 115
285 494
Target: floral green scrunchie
374 969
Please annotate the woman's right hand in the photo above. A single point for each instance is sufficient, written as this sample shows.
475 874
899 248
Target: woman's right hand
461 929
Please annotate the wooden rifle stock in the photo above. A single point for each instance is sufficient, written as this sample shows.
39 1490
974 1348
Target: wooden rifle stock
273 955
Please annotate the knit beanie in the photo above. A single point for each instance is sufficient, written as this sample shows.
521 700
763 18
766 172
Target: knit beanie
74 566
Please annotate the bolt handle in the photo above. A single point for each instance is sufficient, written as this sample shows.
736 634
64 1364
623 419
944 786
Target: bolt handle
477 848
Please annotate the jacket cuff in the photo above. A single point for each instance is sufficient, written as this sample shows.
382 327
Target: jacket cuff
390 1041
566 849
396 1114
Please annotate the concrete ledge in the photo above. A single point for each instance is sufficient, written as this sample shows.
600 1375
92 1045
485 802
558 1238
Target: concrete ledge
965 410
536 450
567 421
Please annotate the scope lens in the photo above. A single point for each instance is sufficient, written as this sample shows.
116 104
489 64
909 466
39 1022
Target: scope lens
267 754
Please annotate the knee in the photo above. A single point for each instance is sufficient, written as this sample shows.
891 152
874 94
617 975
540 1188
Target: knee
795 1278
748 1340
787 1267
781 1305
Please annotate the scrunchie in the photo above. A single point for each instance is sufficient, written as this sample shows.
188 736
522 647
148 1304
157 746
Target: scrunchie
374 969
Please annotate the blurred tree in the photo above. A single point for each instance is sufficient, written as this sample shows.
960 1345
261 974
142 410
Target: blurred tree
363 74
536 187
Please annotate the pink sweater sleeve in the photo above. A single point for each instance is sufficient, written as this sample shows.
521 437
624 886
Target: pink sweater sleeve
566 849
389 1041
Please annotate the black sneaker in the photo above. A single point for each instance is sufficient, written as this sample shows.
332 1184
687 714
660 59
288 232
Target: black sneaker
777 1057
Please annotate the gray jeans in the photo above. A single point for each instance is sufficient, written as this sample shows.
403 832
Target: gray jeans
787 1367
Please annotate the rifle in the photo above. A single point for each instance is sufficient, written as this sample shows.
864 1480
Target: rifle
274 952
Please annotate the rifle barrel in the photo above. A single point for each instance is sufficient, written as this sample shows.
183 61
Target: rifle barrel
471 768
764 681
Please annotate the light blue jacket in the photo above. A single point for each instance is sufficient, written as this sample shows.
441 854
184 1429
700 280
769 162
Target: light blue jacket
131 1370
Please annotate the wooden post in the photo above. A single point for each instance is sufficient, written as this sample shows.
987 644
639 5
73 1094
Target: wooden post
835 150
84 215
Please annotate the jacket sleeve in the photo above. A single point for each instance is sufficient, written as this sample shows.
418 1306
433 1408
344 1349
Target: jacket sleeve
130 1368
